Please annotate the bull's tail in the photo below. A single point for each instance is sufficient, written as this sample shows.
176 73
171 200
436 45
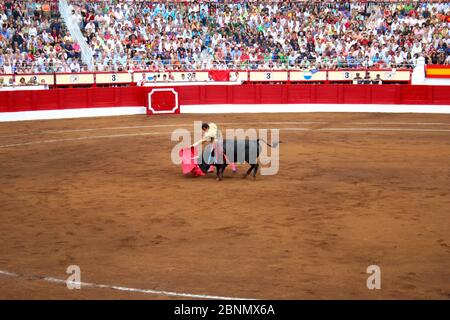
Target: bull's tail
273 145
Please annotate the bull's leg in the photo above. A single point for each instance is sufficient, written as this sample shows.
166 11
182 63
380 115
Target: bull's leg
248 171
218 169
255 170
221 167
222 170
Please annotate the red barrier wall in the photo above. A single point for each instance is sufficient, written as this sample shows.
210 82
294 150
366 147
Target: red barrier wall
245 94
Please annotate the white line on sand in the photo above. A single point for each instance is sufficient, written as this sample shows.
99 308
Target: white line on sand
405 123
384 129
122 288
157 126
83 138
160 133
224 123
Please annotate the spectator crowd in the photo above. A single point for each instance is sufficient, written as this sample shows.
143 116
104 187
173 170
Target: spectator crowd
33 39
170 35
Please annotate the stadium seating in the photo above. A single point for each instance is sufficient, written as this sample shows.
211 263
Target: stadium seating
33 39
146 35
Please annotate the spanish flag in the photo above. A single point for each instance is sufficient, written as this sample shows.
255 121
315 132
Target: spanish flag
438 71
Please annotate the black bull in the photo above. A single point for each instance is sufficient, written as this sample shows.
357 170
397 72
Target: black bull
237 151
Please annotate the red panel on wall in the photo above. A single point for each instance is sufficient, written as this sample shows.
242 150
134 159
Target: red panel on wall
163 101
20 101
440 95
272 93
73 98
326 93
214 94
4 101
45 100
130 97
415 94
385 94
355 93
188 94
245 94
103 97
299 94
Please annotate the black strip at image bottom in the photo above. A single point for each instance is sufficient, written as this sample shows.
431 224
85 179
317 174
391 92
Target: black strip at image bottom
227 310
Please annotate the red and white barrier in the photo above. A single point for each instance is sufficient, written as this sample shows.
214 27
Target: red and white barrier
163 101
104 101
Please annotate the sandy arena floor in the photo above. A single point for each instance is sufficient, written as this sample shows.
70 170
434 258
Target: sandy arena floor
353 190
